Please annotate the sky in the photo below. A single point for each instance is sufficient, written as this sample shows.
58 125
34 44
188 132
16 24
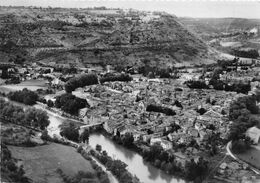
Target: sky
188 8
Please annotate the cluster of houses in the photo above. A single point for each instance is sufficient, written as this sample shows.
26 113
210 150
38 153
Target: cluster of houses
121 107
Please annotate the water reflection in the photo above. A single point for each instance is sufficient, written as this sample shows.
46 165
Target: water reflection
136 165
153 174
143 170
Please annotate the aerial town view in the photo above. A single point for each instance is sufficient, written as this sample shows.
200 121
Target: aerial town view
129 92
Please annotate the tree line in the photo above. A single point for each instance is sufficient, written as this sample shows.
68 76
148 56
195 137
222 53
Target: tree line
80 81
115 77
244 113
31 117
25 96
218 84
117 167
248 53
166 161
9 168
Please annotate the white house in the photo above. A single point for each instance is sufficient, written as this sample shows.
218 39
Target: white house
165 144
254 30
254 134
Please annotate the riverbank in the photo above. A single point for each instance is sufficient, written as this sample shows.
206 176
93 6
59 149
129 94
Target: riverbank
84 150
60 113
136 164
141 149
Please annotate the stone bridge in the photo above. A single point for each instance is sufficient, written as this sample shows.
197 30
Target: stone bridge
90 126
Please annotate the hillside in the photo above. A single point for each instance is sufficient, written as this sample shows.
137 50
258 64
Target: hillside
216 26
97 36
228 35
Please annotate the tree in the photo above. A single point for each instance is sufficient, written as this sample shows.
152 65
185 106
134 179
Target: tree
215 76
165 110
70 103
178 104
45 135
9 167
128 140
37 118
70 131
19 59
201 110
196 170
98 148
24 96
50 103
243 106
157 163
104 153
84 136
30 117
153 153
79 149
164 156
257 94
241 112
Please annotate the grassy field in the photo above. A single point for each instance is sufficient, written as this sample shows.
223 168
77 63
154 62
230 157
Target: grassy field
30 84
251 156
40 162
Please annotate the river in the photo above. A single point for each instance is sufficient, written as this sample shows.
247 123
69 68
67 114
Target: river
143 170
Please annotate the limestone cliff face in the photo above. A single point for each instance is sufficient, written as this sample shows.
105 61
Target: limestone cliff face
98 36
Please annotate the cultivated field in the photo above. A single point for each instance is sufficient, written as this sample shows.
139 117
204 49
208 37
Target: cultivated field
40 163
